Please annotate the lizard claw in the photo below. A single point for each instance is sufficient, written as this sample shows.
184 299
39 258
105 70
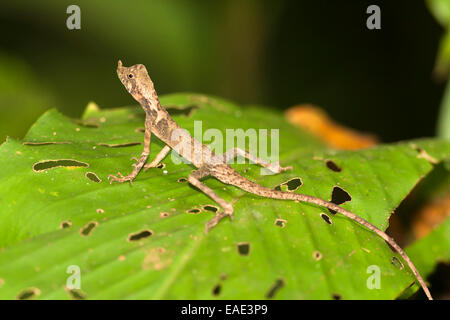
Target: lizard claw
288 168
135 159
276 168
120 178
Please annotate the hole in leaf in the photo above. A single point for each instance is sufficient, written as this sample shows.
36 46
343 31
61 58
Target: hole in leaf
88 228
396 262
333 166
216 290
100 210
45 143
51 164
119 145
326 218
336 296
280 222
66 224
187 111
140 235
93 177
29 293
290 185
77 294
164 214
243 248
193 211
162 165
181 180
210 208
279 283
317 255
338 197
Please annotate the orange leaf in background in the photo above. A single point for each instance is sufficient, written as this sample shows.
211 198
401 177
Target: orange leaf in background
317 122
431 215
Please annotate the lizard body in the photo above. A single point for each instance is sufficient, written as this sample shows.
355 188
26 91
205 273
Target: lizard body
158 121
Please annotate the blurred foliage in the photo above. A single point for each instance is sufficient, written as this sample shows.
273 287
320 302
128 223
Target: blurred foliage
277 53
441 11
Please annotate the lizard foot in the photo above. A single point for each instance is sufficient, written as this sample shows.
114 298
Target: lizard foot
120 178
288 168
278 169
214 221
135 159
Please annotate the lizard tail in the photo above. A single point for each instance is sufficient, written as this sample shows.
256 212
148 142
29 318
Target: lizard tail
257 189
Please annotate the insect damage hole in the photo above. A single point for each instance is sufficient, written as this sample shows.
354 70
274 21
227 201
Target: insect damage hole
291 185
28 294
317 255
187 110
333 166
397 263
51 164
182 179
77 294
119 145
280 222
326 218
44 143
338 197
210 208
93 177
162 165
66 224
336 296
164 214
243 248
216 290
140 235
88 228
194 211
279 283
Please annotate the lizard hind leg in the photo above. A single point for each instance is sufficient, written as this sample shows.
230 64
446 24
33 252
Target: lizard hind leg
194 179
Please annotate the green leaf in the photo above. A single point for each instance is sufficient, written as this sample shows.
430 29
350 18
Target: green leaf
435 247
55 218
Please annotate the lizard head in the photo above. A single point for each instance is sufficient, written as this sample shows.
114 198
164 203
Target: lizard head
136 80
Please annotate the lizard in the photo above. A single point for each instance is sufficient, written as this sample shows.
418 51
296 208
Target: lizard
159 123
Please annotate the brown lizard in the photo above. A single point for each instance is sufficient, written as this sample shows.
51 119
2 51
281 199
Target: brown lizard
158 121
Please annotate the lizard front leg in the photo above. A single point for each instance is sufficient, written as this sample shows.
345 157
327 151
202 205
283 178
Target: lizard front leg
140 162
233 153
226 206
159 157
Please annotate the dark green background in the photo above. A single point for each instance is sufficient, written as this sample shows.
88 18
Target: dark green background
277 53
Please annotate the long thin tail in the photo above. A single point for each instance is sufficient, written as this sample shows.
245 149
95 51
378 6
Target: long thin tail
257 189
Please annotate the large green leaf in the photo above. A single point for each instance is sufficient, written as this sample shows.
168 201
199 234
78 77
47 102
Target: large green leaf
298 257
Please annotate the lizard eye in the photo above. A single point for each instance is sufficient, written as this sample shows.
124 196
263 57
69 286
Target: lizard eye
130 76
